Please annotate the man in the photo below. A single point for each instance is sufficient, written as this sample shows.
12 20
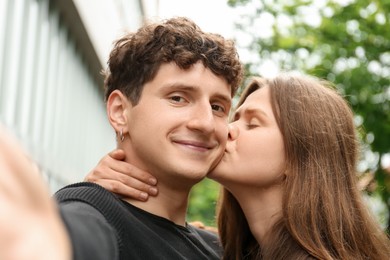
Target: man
168 91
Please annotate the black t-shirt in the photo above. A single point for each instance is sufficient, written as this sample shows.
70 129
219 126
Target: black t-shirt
92 236
101 226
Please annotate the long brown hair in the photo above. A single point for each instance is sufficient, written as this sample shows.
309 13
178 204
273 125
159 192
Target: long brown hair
324 216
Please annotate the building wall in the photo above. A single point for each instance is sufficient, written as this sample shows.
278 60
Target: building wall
51 92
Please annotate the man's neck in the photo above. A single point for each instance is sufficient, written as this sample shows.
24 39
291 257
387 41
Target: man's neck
169 204
172 199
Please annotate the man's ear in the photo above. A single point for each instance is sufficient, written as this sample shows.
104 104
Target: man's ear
117 106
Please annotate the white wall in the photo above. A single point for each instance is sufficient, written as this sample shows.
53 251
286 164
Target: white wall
51 95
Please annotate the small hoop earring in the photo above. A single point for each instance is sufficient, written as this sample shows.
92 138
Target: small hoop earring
121 136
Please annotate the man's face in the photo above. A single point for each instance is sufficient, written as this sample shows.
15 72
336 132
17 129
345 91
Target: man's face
178 130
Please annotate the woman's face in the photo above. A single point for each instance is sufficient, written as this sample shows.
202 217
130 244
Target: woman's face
254 154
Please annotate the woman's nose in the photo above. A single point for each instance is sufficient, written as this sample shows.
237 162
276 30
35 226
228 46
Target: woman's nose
233 132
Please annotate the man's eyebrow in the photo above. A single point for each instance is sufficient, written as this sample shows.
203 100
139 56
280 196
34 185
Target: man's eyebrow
179 86
224 98
194 88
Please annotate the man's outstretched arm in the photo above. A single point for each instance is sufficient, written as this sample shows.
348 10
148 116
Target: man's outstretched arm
33 226
30 224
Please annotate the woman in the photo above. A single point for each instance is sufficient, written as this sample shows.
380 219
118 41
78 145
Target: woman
289 177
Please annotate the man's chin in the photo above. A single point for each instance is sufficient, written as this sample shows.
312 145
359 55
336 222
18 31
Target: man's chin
215 164
212 174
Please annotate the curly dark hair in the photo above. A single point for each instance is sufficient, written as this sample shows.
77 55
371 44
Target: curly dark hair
136 57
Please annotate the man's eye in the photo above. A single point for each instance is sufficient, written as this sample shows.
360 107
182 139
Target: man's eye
218 108
177 99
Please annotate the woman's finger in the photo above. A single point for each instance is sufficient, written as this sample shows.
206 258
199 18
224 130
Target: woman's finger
122 189
115 161
111 163
135 172
122 179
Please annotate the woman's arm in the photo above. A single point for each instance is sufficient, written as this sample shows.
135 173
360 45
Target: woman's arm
122 178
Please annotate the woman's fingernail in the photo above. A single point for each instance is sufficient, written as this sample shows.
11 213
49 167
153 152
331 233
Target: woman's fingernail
152 191
143 195
152 181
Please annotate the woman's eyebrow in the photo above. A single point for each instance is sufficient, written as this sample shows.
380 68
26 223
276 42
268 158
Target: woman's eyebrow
249 111
255 111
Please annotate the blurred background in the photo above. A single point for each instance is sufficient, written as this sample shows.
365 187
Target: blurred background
52 52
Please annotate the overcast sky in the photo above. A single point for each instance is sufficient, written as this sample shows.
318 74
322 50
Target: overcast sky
211 15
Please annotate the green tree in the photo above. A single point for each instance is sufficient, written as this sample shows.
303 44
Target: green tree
346 42
203 199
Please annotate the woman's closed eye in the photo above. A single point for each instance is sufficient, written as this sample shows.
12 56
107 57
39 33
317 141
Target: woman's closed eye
253 123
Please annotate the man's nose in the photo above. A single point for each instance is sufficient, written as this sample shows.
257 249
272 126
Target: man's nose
202 119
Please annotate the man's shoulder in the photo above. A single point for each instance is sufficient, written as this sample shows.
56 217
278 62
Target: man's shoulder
203 230
81 191
78 186
92 194
86 217
209 236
